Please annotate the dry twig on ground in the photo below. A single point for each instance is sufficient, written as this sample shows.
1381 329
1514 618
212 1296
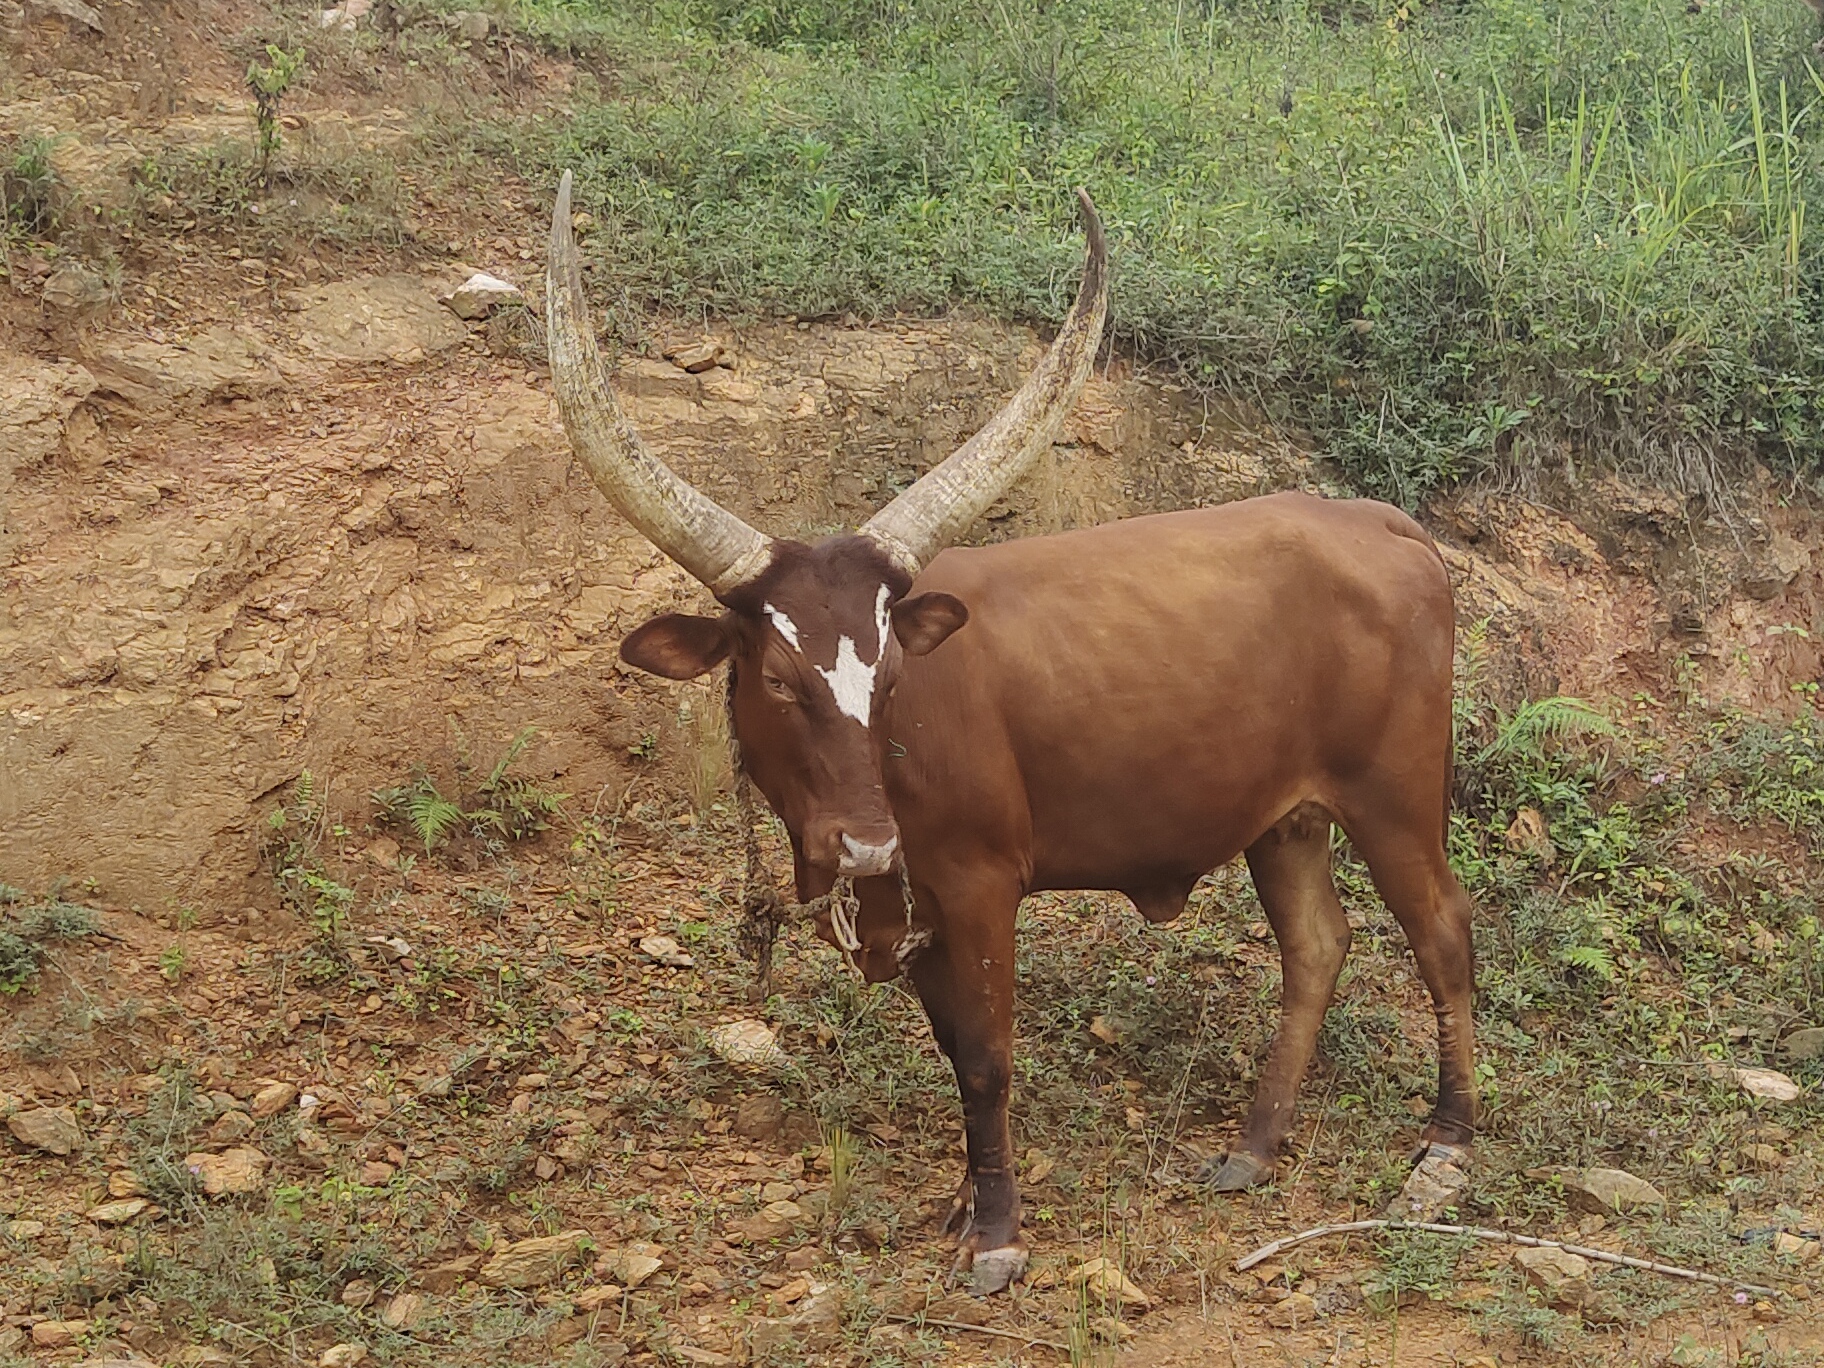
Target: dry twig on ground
1267 1251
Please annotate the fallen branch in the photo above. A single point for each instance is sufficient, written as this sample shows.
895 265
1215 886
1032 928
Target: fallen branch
1503 1237
1020 1335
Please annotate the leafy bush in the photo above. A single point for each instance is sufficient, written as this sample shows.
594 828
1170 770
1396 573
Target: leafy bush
26 925
28 186
1755 770
269 85
1477 237
501 804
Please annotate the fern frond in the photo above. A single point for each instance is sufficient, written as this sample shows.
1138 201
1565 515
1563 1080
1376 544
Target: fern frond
1541 721
515 748
1592 959
1472 658
1468 707
430 814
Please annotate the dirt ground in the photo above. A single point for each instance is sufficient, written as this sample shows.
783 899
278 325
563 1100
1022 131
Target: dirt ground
278 530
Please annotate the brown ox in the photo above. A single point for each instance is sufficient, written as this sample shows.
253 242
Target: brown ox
1124 707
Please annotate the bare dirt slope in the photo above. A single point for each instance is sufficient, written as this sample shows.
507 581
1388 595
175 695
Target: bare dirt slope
338 536
298 563
263 514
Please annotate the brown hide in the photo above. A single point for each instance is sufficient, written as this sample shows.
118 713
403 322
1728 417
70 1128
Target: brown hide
1134 704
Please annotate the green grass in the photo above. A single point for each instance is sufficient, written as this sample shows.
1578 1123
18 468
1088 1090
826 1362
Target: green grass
308 196
28 925
28 186
1507 233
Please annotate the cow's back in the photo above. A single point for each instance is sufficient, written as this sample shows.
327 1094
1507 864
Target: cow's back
1132 704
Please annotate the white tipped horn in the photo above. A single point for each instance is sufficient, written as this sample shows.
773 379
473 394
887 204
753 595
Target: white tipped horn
938 509
696 532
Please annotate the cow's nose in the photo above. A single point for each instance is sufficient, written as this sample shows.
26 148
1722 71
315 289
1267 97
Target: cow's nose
859 860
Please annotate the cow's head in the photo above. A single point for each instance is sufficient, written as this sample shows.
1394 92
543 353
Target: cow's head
814 634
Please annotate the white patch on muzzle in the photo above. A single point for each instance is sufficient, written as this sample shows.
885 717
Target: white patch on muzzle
860 860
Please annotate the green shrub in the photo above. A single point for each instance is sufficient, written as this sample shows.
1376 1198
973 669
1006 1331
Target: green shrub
27 925
1480 237
500 804
28 186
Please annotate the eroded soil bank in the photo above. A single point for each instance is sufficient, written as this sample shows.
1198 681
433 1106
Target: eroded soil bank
338 535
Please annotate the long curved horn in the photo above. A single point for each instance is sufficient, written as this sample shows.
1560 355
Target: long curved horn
695 531
938 509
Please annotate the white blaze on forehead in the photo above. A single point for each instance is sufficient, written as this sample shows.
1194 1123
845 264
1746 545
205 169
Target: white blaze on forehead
880 620
784 626
852 682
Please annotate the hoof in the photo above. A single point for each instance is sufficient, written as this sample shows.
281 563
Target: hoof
995 1270
1438 1181
1237 1173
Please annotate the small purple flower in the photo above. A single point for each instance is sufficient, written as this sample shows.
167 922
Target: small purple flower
1150 980
1657 779
1741 1299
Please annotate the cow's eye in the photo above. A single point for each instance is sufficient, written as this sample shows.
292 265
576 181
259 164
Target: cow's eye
778 688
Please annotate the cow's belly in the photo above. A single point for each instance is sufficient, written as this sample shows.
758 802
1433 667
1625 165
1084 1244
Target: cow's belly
1135 828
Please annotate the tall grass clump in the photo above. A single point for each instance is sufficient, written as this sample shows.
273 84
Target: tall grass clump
1498 234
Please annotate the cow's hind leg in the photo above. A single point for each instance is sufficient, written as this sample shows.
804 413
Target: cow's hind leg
1291 869
965 981
1405 854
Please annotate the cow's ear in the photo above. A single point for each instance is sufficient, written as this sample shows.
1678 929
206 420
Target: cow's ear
678 646
924 621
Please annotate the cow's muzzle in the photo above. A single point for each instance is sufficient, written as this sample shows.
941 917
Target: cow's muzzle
859 860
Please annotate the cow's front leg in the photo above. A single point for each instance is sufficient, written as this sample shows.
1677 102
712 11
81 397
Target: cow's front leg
965 981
